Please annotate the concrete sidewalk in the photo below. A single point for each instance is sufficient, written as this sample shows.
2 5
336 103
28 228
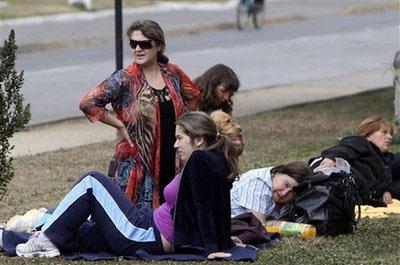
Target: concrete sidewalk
78 132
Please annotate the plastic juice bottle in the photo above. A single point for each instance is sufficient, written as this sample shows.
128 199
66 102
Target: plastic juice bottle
306 231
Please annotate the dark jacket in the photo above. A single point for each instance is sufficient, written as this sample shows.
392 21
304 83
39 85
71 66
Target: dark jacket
202 217
371 168
248 228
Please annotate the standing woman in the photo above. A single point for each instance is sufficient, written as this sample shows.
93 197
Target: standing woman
268 192
217 85
196 216
147 97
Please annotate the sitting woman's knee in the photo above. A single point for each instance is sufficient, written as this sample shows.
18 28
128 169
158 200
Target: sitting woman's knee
94 174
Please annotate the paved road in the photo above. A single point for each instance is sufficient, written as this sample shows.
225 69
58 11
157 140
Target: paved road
280 54
322 48
99 26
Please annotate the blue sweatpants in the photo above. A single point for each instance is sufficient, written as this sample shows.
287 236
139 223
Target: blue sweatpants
116 225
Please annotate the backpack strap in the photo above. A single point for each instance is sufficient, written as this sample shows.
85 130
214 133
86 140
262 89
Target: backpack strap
348 198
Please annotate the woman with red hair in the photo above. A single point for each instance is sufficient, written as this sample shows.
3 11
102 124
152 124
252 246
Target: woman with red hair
370 159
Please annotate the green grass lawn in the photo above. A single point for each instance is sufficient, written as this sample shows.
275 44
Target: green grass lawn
280 136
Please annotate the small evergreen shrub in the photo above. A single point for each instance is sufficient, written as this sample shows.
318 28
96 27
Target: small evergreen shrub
13 114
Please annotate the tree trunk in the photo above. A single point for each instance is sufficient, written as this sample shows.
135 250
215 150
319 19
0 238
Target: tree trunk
396 83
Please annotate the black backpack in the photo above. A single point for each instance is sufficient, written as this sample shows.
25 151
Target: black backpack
328 203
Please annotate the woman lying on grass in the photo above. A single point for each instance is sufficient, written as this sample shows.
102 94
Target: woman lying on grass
370 160
267 192
118 226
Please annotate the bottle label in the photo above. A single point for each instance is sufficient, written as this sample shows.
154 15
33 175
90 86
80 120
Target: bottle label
289 229
292 229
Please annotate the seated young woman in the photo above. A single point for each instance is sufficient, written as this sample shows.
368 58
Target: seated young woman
267 192
370 160
199 222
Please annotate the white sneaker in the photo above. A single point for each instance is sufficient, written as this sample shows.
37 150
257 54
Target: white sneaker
37 246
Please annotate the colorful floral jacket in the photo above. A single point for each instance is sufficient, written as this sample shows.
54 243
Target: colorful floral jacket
135 104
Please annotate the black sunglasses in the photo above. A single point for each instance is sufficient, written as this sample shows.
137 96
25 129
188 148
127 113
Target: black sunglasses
143 44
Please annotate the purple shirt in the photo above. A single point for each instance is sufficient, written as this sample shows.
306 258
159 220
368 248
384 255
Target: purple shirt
163 215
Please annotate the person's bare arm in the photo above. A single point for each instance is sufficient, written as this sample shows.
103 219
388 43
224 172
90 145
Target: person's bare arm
327 162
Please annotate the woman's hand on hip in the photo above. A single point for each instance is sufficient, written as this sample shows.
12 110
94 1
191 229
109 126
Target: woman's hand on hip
122 133
218 255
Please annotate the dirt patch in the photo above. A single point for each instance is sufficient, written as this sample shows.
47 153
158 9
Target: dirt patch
22 8
372 8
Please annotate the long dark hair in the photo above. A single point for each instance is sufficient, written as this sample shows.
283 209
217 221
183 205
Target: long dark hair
208 82
199 124
296 170
150 29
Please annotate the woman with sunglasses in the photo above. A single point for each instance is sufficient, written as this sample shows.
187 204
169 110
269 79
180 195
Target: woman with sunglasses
147 97
196 217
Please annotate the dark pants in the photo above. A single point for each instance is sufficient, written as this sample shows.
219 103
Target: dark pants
395 186
117 225
395 189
